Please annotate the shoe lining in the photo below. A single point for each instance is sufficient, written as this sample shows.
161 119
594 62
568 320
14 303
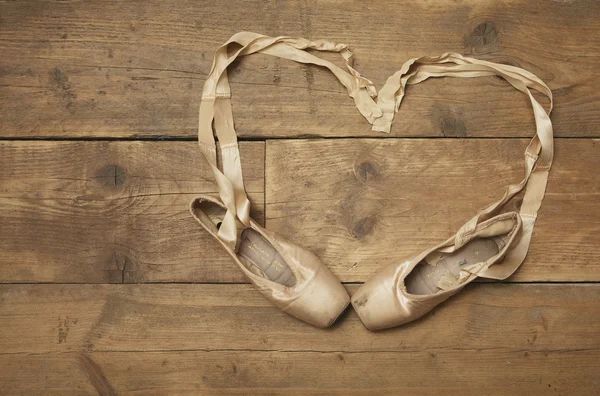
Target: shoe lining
254 251
427 277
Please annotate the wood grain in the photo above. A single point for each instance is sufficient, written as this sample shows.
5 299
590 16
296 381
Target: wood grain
308 373
363 203
117 211
103 220
226 339
134 69
111 211
235 317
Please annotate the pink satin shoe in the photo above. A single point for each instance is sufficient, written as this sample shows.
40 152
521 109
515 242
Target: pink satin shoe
405 291
492 244
290 277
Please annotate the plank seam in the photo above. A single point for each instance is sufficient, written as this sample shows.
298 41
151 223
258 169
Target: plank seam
325 351
482 282
265 183
162 138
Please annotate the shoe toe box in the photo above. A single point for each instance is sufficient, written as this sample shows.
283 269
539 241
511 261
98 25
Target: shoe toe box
321 301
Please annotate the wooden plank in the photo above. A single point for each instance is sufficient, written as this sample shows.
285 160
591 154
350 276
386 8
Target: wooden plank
88 225
235 317
158 339
111 211
306 373
117 68
362 203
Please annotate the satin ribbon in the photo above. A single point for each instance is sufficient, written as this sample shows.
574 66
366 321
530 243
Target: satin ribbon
216 106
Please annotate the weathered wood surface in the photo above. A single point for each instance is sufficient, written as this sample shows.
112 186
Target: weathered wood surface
189 339
117 68
362 203
454 372
96 212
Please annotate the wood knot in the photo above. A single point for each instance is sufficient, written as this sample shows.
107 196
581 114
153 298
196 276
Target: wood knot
63 87
450 120
119 266
111 176
61 79
366 170
362 227
483 39
452 125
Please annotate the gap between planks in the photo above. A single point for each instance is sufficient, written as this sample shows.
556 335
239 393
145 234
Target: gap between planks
160 138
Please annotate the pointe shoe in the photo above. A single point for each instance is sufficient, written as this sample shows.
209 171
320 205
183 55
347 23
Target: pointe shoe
405 291
294 279
290 277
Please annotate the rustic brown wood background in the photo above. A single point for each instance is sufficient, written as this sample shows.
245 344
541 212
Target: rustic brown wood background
109 287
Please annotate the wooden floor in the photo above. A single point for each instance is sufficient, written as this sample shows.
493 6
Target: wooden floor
108 286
